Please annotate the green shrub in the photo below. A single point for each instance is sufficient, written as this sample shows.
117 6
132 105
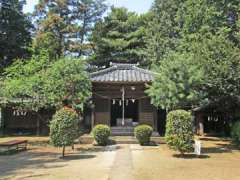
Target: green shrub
235 132
143 134
101 134
64 128
179 131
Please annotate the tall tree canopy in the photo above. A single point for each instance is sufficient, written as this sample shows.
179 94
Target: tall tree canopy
46 84
120 37
207 49
63 26
14 32
163 29
177 23
178 82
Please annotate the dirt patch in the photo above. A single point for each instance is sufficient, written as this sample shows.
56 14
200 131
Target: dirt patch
219 161
45 163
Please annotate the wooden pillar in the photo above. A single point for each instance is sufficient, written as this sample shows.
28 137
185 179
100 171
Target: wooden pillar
139 111
155 117
200 125
109 112
1 122
92 116
123 105
38 126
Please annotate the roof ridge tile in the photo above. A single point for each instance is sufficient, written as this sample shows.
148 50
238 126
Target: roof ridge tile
122 73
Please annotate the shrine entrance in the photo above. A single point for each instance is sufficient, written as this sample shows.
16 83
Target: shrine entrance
130 112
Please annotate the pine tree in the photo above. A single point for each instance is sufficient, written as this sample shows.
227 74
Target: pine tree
205 52
120 37
178 23
163 29
63 26
15 34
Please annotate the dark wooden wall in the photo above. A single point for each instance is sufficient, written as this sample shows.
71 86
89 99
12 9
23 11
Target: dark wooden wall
147 113
31 123
114 90
104 92
102 111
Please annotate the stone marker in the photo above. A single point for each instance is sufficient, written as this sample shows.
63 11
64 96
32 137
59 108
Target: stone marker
197 147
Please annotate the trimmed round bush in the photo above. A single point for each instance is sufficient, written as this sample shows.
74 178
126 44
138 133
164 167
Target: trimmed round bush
101 134
64 128
179 131
235 132
143 134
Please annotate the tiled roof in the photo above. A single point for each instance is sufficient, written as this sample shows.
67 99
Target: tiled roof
122 73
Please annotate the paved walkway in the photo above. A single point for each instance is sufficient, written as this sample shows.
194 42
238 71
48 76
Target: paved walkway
122 167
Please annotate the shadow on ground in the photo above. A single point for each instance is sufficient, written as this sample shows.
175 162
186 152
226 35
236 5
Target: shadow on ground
191 156
36 160
77 157
220 145
215 139
220 148
11 152
97 148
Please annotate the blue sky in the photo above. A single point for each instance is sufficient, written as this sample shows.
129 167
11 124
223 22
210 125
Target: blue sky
139 6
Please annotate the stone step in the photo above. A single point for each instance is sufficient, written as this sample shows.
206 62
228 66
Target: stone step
127 131
131 132
122 130
122 133
88 139
124 139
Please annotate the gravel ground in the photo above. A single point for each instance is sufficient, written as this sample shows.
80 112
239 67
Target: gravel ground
220 161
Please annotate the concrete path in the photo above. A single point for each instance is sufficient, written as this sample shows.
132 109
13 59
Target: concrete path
122 167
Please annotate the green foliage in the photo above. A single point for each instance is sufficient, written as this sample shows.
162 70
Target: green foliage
64 128
179 131
120 37
66 78
14 32
220 60
176 24
177 82
195 46
45 83
47 41
235 132
143 134
63 27
21 80
163 29
101 134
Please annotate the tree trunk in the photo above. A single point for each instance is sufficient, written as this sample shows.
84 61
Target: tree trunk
82 35
63 152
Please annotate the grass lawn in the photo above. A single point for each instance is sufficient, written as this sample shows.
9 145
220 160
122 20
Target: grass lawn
219 162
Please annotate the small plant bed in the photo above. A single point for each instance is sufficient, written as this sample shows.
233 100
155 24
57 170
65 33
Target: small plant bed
179 131
143 134
101 134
